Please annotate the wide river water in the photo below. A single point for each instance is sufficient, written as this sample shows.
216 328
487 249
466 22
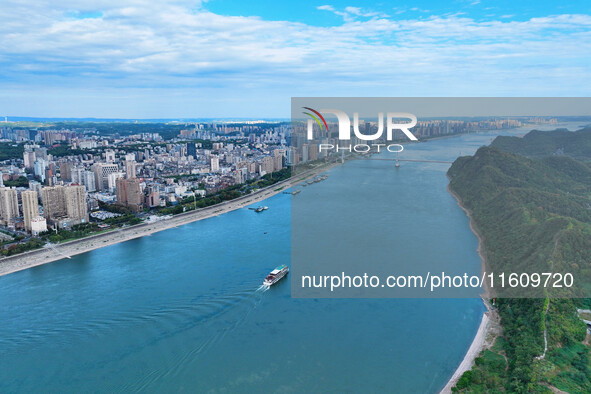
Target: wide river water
182 310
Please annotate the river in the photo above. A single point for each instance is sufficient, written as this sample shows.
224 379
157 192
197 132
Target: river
182 310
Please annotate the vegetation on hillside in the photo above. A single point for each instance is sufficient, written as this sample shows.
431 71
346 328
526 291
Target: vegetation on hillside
166 130
542 143
534 215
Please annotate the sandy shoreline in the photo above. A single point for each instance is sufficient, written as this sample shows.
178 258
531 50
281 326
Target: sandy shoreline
473 351
485 330
67 249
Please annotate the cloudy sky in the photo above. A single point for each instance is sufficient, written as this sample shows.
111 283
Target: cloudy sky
233 58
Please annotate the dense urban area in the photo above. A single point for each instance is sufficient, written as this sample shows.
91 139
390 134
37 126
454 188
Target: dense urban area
67 180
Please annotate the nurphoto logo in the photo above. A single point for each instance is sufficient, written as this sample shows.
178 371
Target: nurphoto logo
344 126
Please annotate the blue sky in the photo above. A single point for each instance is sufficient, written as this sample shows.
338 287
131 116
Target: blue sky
230 58
306 11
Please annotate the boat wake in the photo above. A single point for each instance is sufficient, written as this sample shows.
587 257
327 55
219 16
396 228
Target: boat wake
206 330
168 337
185 328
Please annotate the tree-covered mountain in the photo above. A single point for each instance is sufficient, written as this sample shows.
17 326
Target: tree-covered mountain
542 143
534 215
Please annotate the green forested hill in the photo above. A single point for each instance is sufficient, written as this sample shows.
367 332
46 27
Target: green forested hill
534 214
491 170
543 143
527 209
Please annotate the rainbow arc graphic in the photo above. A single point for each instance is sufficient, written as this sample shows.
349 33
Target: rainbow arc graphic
315 116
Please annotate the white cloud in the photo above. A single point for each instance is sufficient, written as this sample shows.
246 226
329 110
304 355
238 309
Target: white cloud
367 14
177 44
326 8
350 14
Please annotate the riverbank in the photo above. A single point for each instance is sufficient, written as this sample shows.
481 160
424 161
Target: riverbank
65 250
473 352
474 228
488 331
489 327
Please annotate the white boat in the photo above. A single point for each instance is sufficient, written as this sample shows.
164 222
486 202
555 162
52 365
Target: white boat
276 275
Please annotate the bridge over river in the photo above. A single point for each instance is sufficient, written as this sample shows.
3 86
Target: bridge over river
418 161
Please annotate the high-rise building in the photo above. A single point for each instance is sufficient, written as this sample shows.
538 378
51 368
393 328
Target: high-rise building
134 194
152 198
112 180
129 193
101 174
214 164
89 181
34 185
76 208
121 191
8 205
313 152
81 176
66 171
54 202
109 156
77 175
50 178
29 159
130 168
30 207
39 168
267 165
65 204
40 153
305 155
278 155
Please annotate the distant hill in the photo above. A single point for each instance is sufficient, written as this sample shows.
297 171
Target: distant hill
575 144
